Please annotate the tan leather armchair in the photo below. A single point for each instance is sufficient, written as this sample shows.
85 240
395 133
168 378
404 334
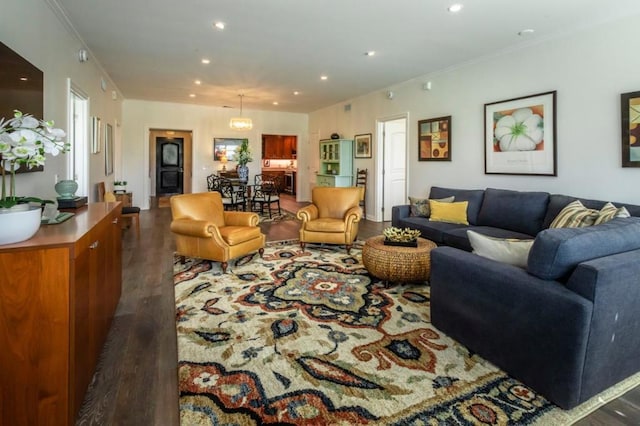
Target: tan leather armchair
204 230
332 217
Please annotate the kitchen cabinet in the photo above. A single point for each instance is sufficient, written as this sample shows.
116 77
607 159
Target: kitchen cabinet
272 172
336 163
279 147
58 293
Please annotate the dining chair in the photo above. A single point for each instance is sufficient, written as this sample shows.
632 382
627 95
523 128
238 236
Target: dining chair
361 182
266 192
127 211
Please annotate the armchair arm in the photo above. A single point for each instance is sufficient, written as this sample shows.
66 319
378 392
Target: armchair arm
353 215
193 228
308 213
232 218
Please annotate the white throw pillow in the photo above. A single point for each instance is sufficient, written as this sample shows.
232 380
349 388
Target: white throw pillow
511 251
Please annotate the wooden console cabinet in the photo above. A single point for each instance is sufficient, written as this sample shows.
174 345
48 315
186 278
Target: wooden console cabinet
58 293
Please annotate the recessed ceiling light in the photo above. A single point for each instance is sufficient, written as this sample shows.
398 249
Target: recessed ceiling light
526 32
370 53
206 61
198 82
192 95
323 77
296 93
219 25
275 102
454 8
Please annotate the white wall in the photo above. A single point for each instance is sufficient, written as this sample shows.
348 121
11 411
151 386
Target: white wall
206 123
589 70
33 30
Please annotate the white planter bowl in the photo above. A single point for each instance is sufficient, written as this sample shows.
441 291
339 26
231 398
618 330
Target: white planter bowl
19 225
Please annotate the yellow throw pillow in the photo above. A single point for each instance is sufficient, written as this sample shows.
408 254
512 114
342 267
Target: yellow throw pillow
449 212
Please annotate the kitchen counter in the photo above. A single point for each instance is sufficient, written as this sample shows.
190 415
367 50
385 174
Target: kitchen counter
277 169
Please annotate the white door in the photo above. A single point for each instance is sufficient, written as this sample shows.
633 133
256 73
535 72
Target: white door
394 164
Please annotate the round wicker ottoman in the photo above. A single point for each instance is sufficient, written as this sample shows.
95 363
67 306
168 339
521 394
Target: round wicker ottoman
395 263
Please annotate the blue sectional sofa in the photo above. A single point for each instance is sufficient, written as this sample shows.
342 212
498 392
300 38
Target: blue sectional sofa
567 325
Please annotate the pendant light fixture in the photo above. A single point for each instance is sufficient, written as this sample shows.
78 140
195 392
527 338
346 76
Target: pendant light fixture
240 123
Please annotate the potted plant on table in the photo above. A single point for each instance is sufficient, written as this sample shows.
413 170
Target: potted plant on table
243 156
120 186
24 140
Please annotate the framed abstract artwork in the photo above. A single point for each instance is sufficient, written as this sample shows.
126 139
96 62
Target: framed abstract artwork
434 139
520 136
630 108
363 145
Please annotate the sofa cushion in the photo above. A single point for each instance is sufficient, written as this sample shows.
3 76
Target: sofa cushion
575 215
420 206
430 230
473 196
557 202
557 251
449 212
457 237
514 210
506 250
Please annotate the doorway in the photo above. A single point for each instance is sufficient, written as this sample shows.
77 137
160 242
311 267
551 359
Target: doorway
392 160
170 164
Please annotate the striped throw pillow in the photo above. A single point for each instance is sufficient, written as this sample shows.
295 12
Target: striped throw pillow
575 215
609 211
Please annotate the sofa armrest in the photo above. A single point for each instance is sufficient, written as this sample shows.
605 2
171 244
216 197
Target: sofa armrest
613 352
399 212
536 330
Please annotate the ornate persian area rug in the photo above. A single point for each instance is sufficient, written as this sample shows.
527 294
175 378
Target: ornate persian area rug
309 338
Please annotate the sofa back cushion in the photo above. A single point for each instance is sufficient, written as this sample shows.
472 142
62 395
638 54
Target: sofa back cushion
557 251
473 196
514 210
557 202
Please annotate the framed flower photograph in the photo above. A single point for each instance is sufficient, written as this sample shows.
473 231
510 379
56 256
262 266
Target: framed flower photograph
434 139
520 136
630 108
363 145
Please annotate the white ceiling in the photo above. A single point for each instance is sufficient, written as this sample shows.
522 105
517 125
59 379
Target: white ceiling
270 48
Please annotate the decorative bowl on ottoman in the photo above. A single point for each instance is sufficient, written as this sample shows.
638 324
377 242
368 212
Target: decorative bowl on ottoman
401 237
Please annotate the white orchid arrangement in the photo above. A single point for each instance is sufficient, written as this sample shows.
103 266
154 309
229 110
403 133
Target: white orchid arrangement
243 154
24 140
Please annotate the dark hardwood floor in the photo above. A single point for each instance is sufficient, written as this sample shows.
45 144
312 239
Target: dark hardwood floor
136 381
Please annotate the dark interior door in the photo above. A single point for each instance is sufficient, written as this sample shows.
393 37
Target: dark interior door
169 165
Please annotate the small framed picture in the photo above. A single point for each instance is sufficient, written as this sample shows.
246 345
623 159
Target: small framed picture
630 107
434 139
363 145
96 127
